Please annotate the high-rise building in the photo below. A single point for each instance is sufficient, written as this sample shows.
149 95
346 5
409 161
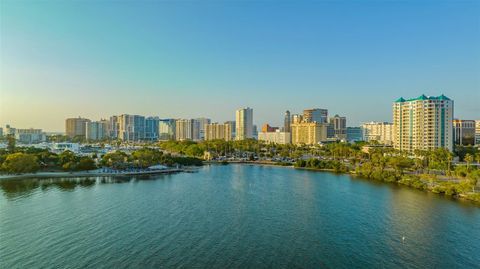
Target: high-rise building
477 132
287 121
95 130
218 131
233 125
464 132
105 125
183 129
113 127
296 118
423 123
315 115
277 137
308 133
330 131
196 130
131 127
166 129
244 123
339 125
354 134
382 132
76 127
267 128
151 128
201 124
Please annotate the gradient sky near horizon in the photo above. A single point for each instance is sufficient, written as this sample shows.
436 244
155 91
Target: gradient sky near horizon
95 59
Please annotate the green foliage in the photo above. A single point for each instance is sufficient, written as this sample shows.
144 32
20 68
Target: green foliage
68 161
413 181
11 143
400 163
147 157
116 159
313 163
85 163
462 151
20 163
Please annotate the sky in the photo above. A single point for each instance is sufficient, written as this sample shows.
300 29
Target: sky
181 59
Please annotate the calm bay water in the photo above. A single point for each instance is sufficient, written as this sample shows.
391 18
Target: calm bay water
233 216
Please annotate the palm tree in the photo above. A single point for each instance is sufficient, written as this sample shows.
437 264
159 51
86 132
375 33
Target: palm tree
418 164
468 159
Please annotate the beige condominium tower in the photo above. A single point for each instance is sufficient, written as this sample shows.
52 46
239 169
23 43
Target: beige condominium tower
244 123
423 123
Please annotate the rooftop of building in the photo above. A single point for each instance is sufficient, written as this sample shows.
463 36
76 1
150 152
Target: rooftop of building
422 97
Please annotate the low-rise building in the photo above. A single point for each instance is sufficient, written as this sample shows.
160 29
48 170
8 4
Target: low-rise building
60 147
354 134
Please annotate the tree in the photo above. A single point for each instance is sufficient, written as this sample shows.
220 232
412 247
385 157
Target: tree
20 163
11 143
85 163
115 159
146 157
468 159
400 163
66 157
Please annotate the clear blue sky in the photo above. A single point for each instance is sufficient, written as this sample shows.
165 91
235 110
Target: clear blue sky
189 59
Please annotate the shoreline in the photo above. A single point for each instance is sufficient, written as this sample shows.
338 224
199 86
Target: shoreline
353 174
89 174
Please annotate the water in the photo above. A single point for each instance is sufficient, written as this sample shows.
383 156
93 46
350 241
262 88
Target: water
233 216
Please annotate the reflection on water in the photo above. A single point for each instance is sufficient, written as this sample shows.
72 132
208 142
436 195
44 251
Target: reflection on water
232 216
16 188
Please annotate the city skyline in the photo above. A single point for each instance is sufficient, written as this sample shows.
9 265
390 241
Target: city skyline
189 60
278 122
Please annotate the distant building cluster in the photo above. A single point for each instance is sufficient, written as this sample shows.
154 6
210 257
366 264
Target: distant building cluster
421 123
24 136
311 127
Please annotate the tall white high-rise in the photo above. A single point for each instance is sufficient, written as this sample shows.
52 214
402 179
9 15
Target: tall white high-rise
423 123
244 123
